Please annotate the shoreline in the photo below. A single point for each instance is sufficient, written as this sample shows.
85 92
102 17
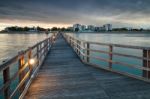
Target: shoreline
101 32
115 32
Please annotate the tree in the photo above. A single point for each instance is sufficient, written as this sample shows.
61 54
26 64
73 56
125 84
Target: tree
54 29
40 29
63 29
26 29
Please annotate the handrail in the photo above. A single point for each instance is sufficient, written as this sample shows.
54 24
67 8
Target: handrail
29 61
84 51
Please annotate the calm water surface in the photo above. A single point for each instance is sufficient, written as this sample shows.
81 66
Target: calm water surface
10 44
138 39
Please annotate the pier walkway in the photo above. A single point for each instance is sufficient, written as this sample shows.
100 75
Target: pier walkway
64 76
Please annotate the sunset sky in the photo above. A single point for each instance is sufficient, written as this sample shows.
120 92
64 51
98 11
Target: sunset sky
63 13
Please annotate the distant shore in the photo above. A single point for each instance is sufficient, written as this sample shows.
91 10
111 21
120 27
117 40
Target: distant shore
119 32
22 32
107 32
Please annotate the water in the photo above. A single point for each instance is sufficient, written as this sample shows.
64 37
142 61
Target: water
10 44
134 39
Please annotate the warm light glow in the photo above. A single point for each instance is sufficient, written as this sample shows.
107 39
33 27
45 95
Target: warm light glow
53 37
31 61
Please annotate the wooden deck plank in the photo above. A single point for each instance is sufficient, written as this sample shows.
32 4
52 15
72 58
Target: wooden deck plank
64 76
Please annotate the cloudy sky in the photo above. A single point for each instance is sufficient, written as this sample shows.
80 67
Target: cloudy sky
63 13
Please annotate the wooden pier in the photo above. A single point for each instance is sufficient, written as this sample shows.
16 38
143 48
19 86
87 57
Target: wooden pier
65 75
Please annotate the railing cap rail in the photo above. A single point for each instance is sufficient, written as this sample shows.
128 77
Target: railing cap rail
111 44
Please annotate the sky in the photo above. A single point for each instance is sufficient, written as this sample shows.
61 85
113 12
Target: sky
64 13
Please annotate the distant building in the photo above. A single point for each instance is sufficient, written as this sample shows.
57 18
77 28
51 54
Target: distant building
77 27
97 29
103 28
83 27
91 27
107 27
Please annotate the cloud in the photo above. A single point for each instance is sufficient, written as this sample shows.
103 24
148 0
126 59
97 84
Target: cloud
98 12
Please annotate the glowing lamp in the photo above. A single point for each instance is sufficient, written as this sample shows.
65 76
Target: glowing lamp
53 37
31 61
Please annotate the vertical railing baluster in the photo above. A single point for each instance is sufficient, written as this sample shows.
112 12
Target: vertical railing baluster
21 63
6 78
88 52
44 48
77 46
79 42
30 65
84 51
110 56
38 59
146 63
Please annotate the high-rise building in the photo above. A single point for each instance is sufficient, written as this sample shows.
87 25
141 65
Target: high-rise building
91 27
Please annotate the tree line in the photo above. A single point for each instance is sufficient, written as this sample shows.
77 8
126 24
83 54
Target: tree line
16 28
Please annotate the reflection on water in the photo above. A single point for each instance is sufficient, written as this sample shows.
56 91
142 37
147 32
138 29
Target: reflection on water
137 39
10 44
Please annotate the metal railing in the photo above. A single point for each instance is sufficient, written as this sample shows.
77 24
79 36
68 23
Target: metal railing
28 62
85 51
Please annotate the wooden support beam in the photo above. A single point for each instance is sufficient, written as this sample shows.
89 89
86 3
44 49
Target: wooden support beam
110 56
6 78
30 65
21 63
88 52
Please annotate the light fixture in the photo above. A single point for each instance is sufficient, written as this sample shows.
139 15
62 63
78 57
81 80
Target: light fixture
31 61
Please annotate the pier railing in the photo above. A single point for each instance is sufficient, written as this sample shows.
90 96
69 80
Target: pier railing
89 55
28 63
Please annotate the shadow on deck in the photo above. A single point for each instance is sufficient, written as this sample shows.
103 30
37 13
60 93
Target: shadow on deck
64 76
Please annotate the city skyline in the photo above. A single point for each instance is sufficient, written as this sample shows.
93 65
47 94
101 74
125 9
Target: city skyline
64 13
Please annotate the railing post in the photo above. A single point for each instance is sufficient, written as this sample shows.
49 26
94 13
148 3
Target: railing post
47 46
146 63
79 42
84 51
6 77
70 41
77 47
110 56
21 63
38 59
88 52
30 65
44 48
49 43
